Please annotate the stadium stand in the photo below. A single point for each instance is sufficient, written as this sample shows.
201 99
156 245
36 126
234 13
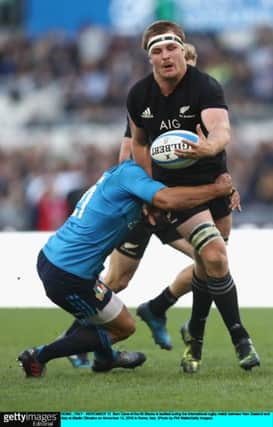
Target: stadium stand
62 117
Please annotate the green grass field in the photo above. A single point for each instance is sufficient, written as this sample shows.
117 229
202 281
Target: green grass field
158 385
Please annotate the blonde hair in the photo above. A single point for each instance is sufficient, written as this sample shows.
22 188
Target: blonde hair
190 53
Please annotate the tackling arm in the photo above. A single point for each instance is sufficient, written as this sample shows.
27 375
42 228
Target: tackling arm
178 198
125 149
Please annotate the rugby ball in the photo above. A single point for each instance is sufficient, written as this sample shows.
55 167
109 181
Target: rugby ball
163 147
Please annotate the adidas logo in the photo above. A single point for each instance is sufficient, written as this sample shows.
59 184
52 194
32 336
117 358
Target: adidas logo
147 114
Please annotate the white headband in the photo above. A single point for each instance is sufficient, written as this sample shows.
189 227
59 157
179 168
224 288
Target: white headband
163 38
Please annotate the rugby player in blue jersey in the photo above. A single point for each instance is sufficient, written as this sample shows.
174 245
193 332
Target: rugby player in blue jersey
70 263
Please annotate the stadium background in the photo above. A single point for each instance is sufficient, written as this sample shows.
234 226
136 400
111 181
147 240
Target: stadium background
65 68
64 78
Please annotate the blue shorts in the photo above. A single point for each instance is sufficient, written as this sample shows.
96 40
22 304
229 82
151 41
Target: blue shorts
90 301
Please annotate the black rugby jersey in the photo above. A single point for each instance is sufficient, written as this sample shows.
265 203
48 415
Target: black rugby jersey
156 114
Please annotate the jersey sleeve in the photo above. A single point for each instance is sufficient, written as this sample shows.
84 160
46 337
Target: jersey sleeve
136 181
212 94
132 102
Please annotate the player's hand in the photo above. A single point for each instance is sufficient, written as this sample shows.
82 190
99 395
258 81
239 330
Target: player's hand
235 201
224 178
225 182
197 150
150 214
154 217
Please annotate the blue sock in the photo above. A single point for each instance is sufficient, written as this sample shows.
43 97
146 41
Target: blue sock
110 354
106 352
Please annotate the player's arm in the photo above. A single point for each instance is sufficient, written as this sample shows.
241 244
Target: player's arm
177 198
140 148
125 149
216 121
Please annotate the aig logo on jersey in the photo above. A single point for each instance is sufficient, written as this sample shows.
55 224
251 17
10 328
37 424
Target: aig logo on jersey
183 110
100 290
170 124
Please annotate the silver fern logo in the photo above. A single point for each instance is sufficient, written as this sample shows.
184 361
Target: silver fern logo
183 110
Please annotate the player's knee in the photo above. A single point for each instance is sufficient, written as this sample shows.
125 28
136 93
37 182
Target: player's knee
128 329
215 259
116 281
119 280
117 286
128 273
131 327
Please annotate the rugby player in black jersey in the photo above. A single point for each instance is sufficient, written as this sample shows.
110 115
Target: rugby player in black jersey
125 260
178 96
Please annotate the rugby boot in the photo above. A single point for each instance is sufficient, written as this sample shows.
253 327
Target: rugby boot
191 359
247 355
80 360
31 367
157 326
122 359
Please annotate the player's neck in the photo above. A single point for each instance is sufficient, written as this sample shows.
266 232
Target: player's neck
167 86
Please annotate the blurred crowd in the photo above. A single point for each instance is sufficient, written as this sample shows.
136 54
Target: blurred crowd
55 82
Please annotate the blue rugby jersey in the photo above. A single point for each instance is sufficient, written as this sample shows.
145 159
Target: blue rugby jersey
101 219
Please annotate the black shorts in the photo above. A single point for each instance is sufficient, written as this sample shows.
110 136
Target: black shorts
137 240
81 297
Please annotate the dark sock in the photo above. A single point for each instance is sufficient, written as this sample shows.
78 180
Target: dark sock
160 304
72 328
82 340
69 331
224 293
201 304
